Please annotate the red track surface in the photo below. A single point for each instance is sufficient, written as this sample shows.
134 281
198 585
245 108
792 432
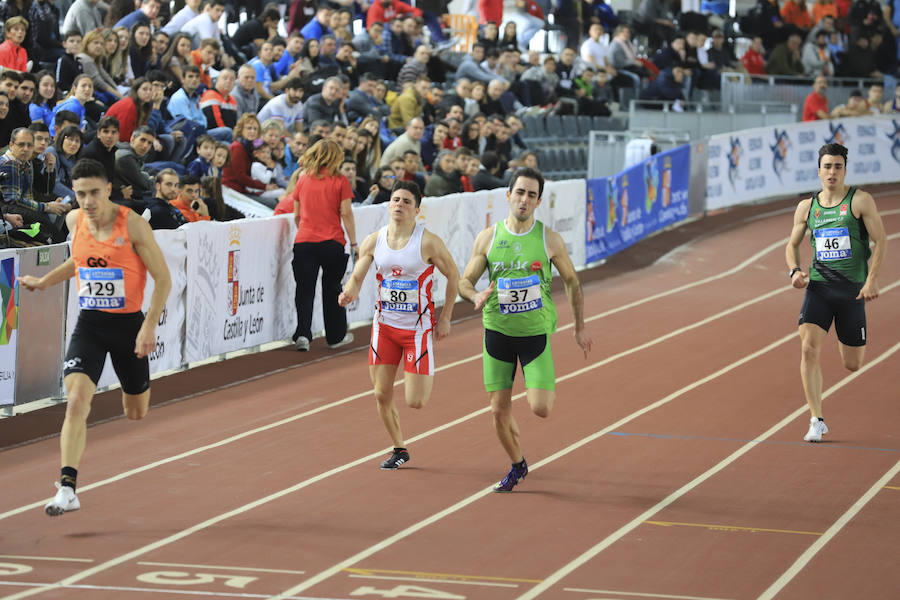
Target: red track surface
672 466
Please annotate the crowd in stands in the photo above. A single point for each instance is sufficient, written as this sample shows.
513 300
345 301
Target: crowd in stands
178 99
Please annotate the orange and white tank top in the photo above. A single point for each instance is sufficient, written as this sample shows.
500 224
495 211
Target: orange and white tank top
404 283
111 276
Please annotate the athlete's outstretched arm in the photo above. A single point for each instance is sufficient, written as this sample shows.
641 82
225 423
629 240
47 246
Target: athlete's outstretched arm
366 256
146 247
439 256
60 273
874 225
477 265
560 258
792 250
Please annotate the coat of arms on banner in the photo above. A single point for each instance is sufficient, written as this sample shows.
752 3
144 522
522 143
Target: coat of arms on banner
233 268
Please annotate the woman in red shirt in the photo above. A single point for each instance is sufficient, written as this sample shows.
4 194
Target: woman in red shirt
322 200
133 110
236 174
12 54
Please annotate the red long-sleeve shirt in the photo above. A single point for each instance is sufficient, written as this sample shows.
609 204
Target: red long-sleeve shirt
379 14
237 174
126 112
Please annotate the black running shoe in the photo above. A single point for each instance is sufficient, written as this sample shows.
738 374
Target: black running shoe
396 459
512 478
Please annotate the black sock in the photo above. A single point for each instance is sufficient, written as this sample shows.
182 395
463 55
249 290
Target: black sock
67 477
822 419
399 450
520 464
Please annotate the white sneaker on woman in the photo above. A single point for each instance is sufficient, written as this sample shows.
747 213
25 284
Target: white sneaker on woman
348 339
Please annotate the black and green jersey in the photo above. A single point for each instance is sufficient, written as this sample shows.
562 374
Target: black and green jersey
840 242
520 269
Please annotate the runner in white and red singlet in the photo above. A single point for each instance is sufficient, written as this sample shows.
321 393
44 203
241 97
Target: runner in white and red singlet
405 255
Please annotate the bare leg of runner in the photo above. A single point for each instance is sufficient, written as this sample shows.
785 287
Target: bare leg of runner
852 356
418 389
811 338
80 391
505 424
383 381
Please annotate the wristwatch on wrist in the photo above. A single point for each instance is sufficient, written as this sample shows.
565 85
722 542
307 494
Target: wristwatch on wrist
792 271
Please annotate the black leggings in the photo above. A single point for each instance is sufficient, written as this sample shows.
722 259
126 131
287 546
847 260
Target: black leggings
309 257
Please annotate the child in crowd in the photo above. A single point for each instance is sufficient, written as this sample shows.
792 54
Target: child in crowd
262 169
221 158
278 158
206 148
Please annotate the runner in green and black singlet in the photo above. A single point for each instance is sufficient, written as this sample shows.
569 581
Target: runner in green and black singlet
842 221
518 311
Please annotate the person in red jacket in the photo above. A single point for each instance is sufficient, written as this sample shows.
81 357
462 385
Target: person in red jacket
236 174
133 110
12 54
754 60
815 107
384 11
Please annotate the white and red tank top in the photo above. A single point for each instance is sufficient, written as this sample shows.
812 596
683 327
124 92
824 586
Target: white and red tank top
404 283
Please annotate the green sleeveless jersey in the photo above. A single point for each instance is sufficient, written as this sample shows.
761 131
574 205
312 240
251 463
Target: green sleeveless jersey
839 241
520 269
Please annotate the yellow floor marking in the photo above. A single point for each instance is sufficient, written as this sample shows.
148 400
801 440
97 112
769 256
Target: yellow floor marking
220 568
14 556
730 527
892 487
426 575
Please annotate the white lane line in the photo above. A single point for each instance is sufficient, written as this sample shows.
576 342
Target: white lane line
50 558
179 592
237 437
640 595
220 568
340 469
649 513
427 580
832 531
489 490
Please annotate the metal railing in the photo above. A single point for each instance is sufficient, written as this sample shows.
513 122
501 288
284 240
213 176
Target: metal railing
742 89
606 149
706 119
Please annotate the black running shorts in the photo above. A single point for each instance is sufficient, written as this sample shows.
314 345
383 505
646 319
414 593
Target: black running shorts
827 302
98 333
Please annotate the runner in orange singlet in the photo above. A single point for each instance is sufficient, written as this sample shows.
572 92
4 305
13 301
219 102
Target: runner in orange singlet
112 250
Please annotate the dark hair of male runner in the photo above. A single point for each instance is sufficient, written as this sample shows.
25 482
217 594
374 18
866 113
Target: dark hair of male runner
528 173
88 167
833 149
409 186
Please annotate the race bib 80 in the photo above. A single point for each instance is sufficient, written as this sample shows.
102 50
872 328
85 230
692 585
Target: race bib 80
833 243
399 295
520 294
101 288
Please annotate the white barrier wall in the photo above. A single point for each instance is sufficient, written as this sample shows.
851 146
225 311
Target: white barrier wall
753 164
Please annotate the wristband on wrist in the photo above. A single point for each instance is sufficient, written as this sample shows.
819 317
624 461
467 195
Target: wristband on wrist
794 270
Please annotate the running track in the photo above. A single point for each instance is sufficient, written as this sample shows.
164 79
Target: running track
672 466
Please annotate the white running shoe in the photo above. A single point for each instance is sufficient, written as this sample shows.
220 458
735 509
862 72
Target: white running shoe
64 501
302 344
348 339
817 429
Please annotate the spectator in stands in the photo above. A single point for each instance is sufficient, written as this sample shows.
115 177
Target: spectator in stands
206 24
116 10
510 35
12 54
416 67
623 57
866 17
290 56
67 66
823 8
262 169
245 95
409 140
90 58
754 59
875 97
470 66
316 28
190 10
263 64
130 168
796 13
486 178
860 60
545 75
380 190
46 43
785 58
68 144
855 107
433 142
204 58
83 16
162 214
816 57
189 201
412 169
43 165
361 102
489 35
24 96
371 58
444 180
892 106
146 14
237 174
250 35
134 109
815 107
206 149
656 20
219 107
81 93
326 105
668 86
348 170
595 49
385 11
528 18
286 107
322 200
103 149
410 103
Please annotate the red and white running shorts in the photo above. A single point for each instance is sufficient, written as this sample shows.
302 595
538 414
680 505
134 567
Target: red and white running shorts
390 345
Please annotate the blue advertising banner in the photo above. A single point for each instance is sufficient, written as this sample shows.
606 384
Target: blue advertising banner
625 208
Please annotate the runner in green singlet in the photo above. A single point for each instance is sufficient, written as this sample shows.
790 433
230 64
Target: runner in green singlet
842 221
518 311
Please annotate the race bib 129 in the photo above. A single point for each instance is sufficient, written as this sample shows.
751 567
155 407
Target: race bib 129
101 288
